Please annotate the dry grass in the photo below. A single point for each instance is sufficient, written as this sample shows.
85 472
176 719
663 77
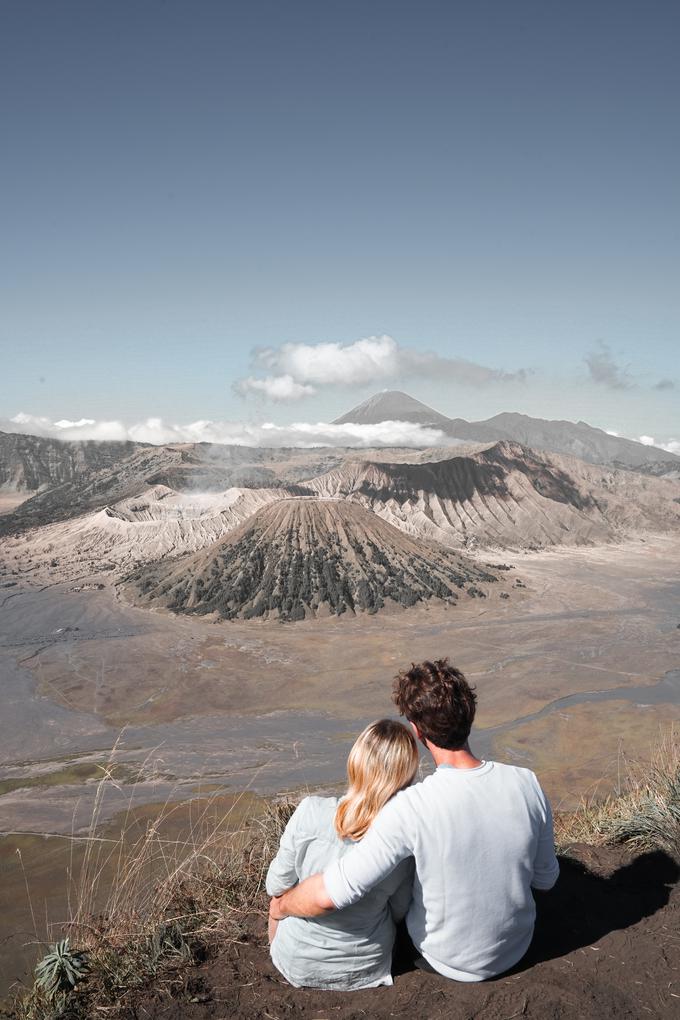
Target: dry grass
644 814
144 906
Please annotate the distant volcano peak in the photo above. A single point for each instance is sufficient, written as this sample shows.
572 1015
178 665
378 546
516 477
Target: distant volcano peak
394 405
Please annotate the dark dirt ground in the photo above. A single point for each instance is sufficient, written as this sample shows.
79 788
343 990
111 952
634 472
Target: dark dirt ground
607 945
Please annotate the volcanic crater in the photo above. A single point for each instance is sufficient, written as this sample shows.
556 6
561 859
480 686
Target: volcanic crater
305 557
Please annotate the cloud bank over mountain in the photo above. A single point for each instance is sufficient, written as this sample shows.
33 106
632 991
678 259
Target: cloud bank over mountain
297 434
302 435
297 370
671 446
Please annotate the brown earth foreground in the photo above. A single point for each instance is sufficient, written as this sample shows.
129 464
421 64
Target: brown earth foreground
607 945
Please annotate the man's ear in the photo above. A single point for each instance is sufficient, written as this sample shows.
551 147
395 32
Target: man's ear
415 730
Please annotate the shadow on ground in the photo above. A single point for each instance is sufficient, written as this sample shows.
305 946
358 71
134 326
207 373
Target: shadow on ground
586 906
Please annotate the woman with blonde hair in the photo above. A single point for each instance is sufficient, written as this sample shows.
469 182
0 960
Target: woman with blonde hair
350 948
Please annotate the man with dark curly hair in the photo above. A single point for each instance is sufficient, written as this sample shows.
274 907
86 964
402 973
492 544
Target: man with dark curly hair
481 834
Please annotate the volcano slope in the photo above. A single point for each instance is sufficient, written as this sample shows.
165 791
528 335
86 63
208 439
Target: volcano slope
507 496
302 557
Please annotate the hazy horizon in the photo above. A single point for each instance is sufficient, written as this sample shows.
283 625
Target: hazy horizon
393 431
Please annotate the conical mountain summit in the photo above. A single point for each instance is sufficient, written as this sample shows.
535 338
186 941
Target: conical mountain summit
393 405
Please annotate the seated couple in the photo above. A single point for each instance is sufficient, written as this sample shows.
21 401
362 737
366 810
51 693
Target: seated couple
457 855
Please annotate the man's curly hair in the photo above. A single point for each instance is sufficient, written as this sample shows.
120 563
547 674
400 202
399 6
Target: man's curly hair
439 700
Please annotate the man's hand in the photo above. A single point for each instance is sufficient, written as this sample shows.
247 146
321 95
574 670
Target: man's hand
274 909
308 899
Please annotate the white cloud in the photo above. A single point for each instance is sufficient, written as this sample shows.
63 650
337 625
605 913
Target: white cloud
670 445
85 428
385 433
327 364
28 423
296 370
275 387
66 424
299 434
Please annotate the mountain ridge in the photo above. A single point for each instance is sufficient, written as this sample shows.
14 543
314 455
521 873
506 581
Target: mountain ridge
508 496
494 496
579 439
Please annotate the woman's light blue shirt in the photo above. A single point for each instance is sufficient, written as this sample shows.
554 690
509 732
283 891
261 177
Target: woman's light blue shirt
350 948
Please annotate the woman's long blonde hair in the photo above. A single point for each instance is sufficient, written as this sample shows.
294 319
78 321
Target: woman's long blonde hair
383 760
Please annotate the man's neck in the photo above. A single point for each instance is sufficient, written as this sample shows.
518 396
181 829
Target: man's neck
461 759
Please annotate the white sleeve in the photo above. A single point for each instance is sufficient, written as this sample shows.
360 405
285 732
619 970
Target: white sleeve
282 874
546 867
384 845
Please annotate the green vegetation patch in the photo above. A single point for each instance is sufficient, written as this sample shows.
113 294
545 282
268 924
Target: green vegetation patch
70 775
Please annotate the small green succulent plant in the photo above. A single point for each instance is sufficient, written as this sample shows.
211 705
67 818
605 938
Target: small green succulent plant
61 969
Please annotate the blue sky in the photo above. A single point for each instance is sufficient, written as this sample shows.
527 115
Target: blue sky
185 184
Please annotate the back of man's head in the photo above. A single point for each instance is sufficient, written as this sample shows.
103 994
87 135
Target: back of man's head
437 698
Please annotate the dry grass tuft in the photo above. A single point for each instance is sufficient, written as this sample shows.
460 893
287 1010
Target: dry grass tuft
645 814
166 902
